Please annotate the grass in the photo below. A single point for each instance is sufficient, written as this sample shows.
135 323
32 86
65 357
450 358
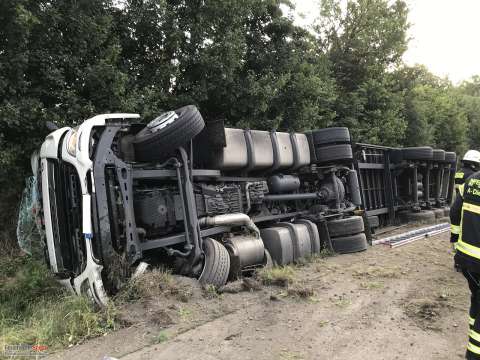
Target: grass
34 309
150 284
211 292
280 276
161 337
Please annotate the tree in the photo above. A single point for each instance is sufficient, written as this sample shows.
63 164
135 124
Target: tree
240 61
364 43
58 62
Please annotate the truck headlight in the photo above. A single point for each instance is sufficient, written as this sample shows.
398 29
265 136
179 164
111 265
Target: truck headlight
72 143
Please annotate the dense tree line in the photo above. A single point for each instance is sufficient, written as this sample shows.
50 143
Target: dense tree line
243 61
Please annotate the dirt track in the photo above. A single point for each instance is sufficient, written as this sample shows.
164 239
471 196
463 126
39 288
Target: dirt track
404 303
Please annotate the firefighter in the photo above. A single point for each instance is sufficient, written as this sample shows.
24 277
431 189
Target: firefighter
470 164
465 236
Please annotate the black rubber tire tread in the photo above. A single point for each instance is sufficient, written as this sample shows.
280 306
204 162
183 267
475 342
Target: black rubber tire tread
396 156
446 211
373 221
347 226
350 244
420 194
216 265
331 153
162 143
331 135
422 216
418 153
439 213
438 155
450 156
420 186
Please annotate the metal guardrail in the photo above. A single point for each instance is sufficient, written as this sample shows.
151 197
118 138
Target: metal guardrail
410 236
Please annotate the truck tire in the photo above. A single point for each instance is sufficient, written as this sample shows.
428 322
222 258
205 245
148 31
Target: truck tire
418 153
348 226
331 153
439 213
438 155
216 265
420 217
373 222
350 244
450 157
396 156
446 211
167 132
331 135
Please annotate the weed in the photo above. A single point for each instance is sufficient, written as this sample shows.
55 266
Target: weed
371 285
161 337
324 253
279 276
149 284
342 302
378 272
323 323
302 292
288 355
184 313
211 292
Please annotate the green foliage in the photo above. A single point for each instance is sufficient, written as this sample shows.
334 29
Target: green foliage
362 43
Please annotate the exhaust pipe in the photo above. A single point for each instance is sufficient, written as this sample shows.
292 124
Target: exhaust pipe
230 219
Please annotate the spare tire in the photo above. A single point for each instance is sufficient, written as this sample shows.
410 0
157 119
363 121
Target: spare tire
216 265
167 132
450 156
438 155
331 135
348 226
331 153
418 153
350 244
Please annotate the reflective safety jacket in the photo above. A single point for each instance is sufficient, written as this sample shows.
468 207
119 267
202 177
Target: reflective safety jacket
462 175
465 224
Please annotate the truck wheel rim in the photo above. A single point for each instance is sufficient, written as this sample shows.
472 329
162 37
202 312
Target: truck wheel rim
162 121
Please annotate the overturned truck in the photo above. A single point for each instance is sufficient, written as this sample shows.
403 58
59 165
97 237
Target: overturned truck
214 202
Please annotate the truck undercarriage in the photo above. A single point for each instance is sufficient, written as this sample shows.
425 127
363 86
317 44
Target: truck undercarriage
214 202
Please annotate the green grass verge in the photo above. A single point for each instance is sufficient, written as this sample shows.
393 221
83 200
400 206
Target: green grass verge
35 309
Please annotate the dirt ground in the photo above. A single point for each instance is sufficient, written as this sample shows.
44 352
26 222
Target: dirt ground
403 303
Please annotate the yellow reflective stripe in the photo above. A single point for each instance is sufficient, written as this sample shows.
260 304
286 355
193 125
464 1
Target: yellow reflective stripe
474 335
471 320
459 175
468 249
472 208
461 188
455 229
473 348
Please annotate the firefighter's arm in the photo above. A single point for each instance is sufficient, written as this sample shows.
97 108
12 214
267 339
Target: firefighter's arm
455 217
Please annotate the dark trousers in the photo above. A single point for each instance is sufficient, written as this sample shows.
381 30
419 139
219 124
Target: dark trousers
473 348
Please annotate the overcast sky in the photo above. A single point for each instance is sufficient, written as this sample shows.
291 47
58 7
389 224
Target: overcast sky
445 35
